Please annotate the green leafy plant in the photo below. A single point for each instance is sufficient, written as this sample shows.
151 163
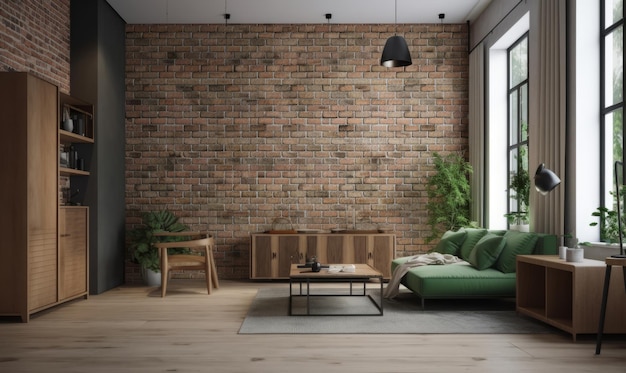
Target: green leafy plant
520 185
448 195
607 220
141 239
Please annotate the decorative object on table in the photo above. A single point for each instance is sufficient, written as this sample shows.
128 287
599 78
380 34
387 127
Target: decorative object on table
396 52
566 241
316 266
281 226
141 239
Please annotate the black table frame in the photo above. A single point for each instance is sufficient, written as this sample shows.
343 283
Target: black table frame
308 281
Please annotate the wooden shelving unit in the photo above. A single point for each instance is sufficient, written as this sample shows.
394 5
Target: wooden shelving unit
45 244
568 295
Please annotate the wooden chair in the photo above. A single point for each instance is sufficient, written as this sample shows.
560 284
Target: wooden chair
200 258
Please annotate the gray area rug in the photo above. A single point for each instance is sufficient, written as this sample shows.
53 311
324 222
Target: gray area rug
268 314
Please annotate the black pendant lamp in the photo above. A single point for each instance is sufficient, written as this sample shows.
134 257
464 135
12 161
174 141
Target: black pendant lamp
545 180
396 52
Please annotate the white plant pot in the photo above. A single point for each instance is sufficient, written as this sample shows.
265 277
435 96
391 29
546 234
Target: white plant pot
151 278
575 255
520 227
562 252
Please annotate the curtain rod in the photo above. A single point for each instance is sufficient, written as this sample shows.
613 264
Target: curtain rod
496 26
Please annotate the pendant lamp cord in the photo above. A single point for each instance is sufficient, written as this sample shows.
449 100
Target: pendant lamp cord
395 19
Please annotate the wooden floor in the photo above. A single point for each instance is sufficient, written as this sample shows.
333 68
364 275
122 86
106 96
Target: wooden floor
133 329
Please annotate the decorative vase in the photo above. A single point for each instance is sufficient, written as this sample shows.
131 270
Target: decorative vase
575 255
562 252
68 125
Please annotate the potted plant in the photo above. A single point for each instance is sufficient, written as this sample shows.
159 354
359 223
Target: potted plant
607 220
448 195
141 242
520 186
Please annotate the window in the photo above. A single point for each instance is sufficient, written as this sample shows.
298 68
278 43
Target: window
517 155
507 110
611 93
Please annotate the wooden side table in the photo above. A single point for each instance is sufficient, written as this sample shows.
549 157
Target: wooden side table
565 294
610 262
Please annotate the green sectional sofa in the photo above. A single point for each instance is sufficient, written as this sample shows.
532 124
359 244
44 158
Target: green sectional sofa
488 266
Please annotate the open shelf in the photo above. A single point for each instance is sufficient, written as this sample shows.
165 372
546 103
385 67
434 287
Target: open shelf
567 295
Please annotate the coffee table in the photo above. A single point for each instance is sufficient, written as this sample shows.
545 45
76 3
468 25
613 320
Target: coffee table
363 274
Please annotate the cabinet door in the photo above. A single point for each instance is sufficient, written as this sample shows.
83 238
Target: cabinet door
381 254
261 257
73 262
335 249
288 253
361 250
41 187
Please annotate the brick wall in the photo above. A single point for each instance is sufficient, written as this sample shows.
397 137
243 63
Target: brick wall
35 37
233 126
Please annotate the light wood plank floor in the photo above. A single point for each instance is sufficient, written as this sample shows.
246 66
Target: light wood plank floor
132 329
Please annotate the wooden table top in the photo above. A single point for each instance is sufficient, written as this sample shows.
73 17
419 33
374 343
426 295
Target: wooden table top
362 271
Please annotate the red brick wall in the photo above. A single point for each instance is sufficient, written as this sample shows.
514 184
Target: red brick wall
35 37
231 127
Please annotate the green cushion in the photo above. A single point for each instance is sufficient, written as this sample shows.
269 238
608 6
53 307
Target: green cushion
473 236
517 243
450 242
486 251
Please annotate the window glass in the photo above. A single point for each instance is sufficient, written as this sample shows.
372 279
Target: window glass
613 11
613 66
518 178
612 99
518 63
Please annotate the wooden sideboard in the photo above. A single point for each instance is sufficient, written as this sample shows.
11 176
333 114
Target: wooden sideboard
272 254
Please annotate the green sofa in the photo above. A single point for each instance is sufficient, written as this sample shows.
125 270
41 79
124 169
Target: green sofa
488 267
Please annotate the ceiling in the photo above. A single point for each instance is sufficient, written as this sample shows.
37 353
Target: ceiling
296 11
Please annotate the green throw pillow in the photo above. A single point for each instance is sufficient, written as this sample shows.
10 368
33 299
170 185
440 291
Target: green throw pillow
486 251
517 243
473 236
450 242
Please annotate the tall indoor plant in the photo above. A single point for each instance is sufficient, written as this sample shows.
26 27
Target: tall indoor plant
141 239
448 194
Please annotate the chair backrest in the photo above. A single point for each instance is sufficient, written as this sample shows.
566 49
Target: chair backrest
202 241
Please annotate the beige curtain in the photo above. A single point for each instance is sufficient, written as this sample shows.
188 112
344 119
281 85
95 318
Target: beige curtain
548 107
477 132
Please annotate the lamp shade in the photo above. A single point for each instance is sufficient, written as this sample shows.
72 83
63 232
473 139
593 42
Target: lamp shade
545 180
396 53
